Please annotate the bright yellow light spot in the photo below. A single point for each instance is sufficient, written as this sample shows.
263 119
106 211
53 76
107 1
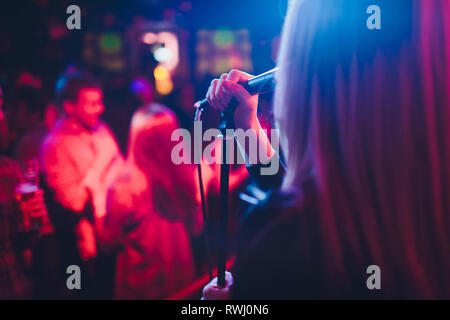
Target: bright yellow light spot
161 73
164 87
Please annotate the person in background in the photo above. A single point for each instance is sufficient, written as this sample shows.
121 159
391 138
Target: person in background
25 113
16 277
80 158
152 208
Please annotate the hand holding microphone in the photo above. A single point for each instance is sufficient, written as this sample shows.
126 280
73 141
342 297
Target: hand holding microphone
244 88
222 90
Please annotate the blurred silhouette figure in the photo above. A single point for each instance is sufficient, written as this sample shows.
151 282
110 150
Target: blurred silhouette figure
25 115
151 210
80 158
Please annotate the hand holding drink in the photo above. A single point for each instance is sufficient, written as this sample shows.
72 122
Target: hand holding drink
33 212
30 199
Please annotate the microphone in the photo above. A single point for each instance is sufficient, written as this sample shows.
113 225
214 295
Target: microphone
263 83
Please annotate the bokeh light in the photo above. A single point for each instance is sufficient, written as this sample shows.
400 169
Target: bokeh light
164 87
162 54
161 73
110 43
149 38
223 38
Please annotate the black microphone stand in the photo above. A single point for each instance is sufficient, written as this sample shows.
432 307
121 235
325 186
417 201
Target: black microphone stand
198 117
226 122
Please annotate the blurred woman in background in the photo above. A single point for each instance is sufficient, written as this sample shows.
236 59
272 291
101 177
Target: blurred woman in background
150 211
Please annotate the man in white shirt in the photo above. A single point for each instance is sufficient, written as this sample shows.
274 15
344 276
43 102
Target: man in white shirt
80 156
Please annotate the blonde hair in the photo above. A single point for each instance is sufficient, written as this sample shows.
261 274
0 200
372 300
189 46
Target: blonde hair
366 114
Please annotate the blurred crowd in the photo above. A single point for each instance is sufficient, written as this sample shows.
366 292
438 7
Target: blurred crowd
71 194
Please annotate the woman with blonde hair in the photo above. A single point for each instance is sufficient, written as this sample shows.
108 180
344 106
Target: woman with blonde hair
150 211
364 121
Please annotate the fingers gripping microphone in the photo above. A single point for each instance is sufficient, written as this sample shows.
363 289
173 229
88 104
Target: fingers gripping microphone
263 83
